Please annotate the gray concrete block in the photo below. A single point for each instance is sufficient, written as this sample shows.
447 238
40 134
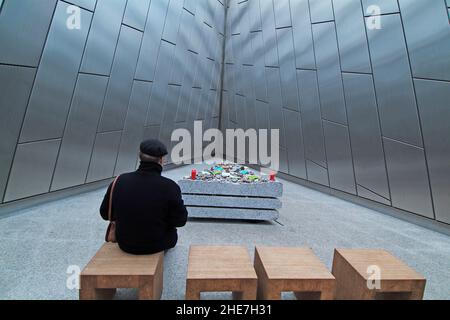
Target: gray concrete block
231 202
263 189
232 213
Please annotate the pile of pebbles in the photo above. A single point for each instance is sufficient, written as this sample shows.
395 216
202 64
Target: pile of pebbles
229 172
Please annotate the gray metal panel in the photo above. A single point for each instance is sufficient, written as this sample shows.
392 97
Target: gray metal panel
365 132
152 37
102 40
317 174
136 13
179 70
159 93
172 21
339 155
408 178
76 146
303 39
55 79
393 84
262 115
284 167
15 89
86 4
427 32
255 15
433 99
190 5
311 117
287 69
352 39
294 144
368 194
151 132
250 110
104 156
170 111
32 169
183 104
270 37
282 13
329 72
133 133
121 80
275 103
385 6
23 29
321 10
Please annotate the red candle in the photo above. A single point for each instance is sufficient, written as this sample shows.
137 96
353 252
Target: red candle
194 174
272 176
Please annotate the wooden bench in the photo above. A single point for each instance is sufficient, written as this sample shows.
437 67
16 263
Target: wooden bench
220 269
354 269
295 270
111 268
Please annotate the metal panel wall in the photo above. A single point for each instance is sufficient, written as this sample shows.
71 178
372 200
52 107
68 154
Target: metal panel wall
23 29
75 153
349 92
355 110
74 102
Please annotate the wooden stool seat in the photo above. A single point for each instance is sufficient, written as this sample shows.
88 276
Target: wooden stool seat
111 268
356 272
295 270
220 269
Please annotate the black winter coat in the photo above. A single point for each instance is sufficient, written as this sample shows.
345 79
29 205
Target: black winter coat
147 208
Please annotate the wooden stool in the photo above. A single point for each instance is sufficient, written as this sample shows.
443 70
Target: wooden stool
355 279
295 270
218 269
111 268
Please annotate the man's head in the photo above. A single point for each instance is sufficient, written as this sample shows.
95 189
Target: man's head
153 151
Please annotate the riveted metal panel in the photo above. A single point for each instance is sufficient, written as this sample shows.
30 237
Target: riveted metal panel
136 13
294 144
152 37
77 143
101 44
282 13
427 32
352 39
104 156
311 117
340 164
32 169
23 29
364 127
133 132
287 69
393 83
329 72
321 10
408 178
121 80
433 99
303 39
56 77
15 89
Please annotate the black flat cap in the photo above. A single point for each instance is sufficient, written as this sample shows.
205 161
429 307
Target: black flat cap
154 148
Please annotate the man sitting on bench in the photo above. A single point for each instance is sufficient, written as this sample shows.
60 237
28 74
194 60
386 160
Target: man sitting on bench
146 207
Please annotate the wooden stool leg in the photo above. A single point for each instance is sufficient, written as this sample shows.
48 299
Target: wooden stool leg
192 291
87 288
105 294
158 279
308 296
268 292
247 294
